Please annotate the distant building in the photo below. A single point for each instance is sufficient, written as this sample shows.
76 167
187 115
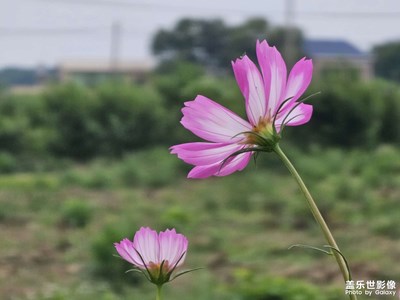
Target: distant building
96 71
27 89
338 55
26 80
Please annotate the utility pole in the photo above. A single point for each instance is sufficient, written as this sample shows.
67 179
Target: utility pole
115 49
289 38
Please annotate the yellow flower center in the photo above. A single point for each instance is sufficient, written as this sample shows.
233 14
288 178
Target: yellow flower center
154 268
264 130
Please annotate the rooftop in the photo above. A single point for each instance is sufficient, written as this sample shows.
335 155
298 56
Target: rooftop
105 66
332 48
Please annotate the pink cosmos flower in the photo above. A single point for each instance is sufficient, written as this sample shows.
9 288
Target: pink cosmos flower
272 102
157 255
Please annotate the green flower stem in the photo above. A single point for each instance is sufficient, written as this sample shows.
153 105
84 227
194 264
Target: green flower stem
158 296
317 215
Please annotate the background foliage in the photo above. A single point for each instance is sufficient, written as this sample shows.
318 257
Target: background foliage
76 122
85 166
212 43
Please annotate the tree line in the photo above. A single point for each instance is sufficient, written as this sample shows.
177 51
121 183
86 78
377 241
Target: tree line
111 118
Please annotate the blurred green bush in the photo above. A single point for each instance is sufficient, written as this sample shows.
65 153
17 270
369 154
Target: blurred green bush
357 115
250 287
75 213
77 122
107 266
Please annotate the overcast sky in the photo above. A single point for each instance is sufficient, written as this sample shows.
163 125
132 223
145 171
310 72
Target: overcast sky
47 32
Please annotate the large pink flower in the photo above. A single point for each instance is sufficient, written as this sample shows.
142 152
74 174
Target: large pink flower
271 103
156 254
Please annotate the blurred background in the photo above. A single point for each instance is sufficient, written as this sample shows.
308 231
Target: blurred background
90 99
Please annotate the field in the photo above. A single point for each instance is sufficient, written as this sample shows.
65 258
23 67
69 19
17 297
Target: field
58 226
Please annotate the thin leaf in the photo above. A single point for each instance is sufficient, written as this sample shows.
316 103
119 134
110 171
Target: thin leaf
283 126
244 132
309 247
185 272
241 151
256 134
278 111
290 111
161 267
139 271
141 258
326 252
176 264
255 157
297 104
134 270
344 258
310 96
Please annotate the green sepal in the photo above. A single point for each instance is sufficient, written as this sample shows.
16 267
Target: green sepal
326 252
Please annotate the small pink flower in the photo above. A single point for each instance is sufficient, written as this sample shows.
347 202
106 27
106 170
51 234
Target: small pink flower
157 255
271 100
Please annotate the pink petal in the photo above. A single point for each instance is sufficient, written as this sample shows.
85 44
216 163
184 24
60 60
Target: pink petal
251 84
299 116
213 122
274 71
146 243
200 153
299 79
127 251
238 163
173 247
262 57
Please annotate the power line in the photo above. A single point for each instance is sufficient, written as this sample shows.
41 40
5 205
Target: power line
26 31
329 14
152 6
115 44
47 31
289 38
172 7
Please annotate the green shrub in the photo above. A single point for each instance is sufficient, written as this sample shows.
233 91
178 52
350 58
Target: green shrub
21 117
384 160
175 217
250 287
153 167
171 79
356 115
8 163
106 263
128 118
70 109
387 224
76 213
222 90
7 211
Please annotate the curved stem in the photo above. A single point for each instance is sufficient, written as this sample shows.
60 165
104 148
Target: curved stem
158 296
317 215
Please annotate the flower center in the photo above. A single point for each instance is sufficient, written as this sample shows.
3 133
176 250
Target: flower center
154 268
159 272
264 127
263 134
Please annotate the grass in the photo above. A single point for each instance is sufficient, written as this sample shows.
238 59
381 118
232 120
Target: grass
58 227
